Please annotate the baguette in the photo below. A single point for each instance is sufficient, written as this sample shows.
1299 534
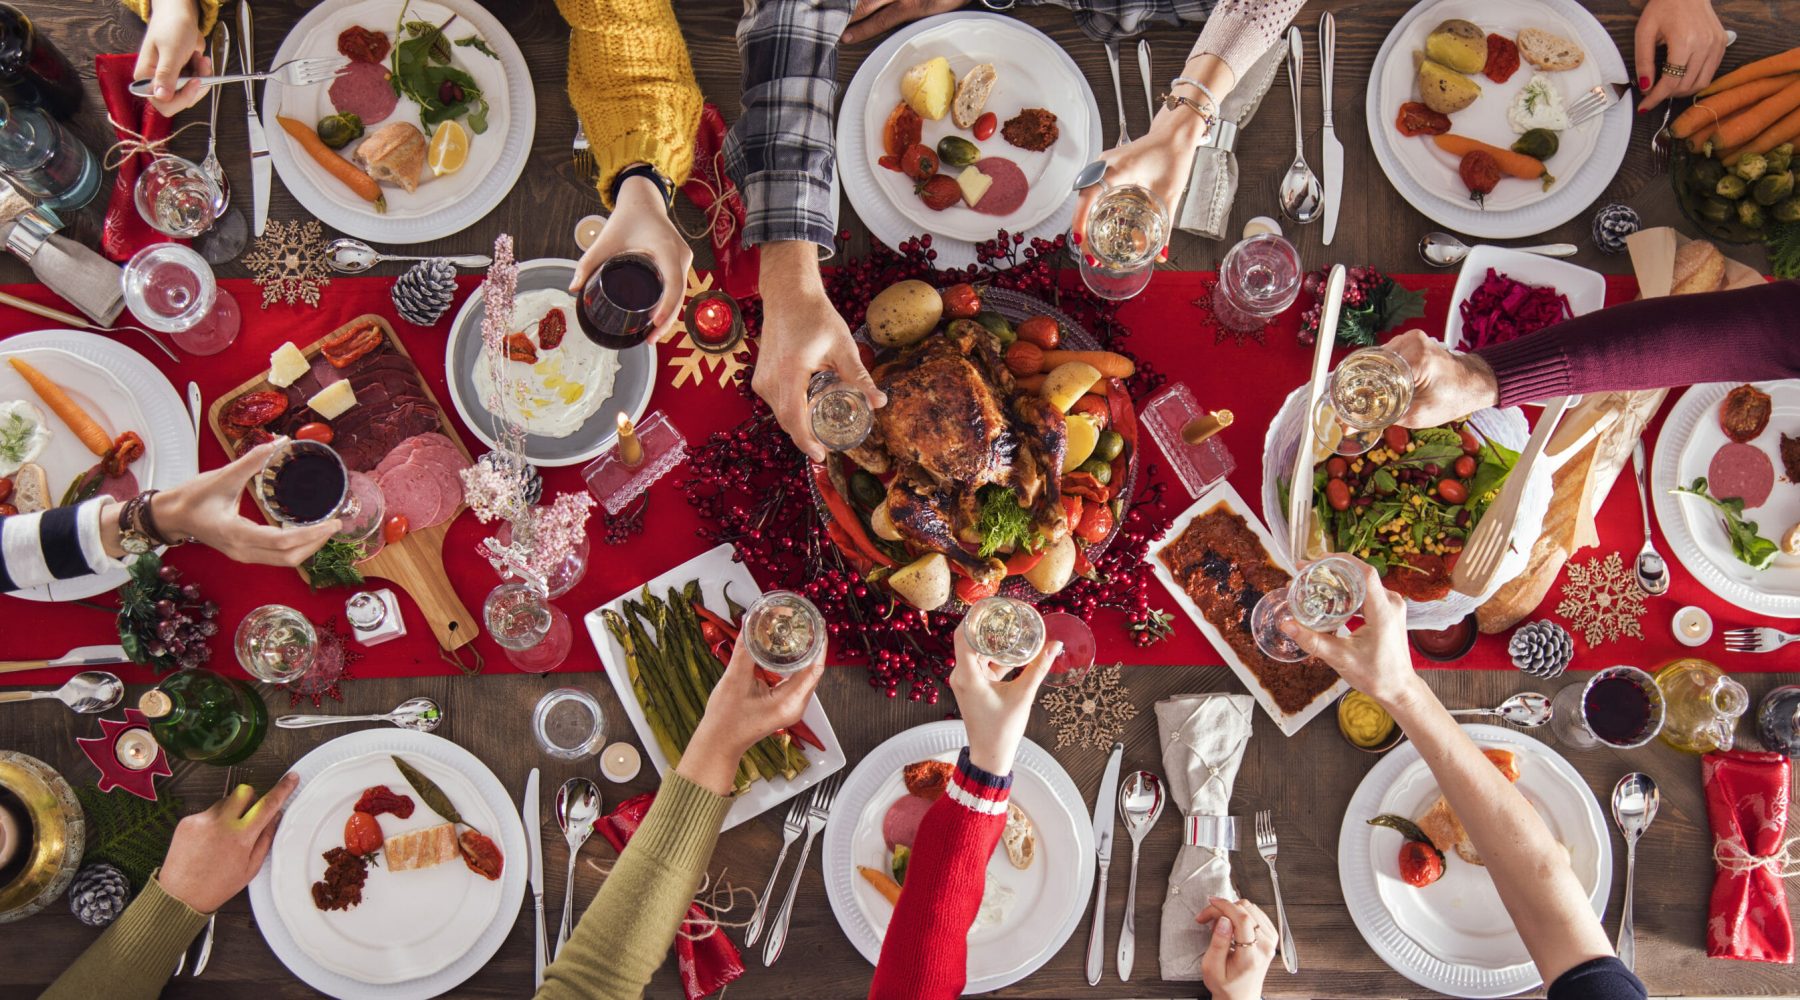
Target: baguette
31 489
1549 51
972 95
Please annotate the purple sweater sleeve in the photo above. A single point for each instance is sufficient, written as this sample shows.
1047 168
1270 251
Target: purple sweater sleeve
1743 335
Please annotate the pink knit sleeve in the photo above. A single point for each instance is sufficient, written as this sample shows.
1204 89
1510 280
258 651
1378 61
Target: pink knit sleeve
1240 31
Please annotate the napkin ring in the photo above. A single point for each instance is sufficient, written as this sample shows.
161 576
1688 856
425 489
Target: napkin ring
1216 832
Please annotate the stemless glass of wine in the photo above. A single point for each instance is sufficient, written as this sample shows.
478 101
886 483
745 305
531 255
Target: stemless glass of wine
176 197
1369 390
617 305
785 631
1322 597
1006 630
171 289
1619 707
303 482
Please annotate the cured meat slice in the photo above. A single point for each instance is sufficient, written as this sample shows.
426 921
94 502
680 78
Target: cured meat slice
1008 190
363 90
412 492
1743 471
901 824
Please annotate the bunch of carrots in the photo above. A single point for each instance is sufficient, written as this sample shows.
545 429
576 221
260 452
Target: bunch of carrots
1751 109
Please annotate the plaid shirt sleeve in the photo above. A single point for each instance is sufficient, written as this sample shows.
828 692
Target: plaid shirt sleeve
780 151
1111 20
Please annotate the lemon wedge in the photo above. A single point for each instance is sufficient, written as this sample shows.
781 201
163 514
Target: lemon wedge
449 149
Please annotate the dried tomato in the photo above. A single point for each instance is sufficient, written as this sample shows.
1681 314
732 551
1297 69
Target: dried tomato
1417 119
1420 864
1085 485
254 437
316 431
7 510
551 329
480 854
124 451
254 409
919 162
1479 172
341 887
1502 59
888 162
343 348
6 489
939 192
362 834
962 301
378 799
903 129
363 45
520 348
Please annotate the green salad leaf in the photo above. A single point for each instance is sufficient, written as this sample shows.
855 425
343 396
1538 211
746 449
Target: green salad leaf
421 67
1751 548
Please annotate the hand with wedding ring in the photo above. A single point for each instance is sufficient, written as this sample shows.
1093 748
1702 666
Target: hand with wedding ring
1694 41
1240 951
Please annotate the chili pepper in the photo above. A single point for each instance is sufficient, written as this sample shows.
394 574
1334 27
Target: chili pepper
845 518
1086 486
707 616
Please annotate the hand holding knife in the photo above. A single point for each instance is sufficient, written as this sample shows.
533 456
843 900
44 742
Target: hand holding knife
1103 842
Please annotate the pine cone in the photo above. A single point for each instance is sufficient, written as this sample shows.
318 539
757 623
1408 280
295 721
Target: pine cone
424 291
1542 649
1612 224
98 894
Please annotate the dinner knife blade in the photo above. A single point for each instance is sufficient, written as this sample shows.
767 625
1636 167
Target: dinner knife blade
92 656
1103 807
1332 151
534 849
260 167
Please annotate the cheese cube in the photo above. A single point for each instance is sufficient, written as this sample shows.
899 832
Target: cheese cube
974 184
332 401
286 365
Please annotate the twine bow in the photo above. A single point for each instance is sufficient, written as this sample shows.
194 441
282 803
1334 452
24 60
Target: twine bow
721 199
133 143
1734 857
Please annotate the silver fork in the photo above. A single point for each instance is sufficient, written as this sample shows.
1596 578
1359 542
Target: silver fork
1594 101
587 169
1265 846
790 832
220 49
818 809
1112 62
293 73
1661 142
1757 640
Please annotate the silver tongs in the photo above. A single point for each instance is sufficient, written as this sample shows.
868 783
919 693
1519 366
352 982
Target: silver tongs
1300 494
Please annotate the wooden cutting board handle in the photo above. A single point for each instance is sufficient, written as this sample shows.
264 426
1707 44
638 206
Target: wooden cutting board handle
418 569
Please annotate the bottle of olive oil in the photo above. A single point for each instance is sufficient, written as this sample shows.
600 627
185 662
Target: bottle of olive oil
203 716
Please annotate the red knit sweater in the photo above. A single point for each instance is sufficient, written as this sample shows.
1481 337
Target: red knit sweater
925 955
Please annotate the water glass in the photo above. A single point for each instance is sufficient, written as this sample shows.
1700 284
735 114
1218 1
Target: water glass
534 633
1322 597
569 724
171 289
785 632
1620 707
1259 278
1006 630
1127 227
1369 390
276 644
841 415
176 197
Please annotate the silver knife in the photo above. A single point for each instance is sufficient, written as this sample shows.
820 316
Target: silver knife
194 404
1144 68
1332 151
81 656
534 844
260 167
1103 840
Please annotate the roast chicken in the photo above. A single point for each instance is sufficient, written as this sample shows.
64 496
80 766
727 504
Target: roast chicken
953 424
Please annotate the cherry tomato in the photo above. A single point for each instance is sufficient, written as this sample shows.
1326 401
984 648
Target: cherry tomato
970 591
1096 523
1420 864
1479 172
1336 467
1465 467
1042 331
961 302
362 834
1337 494
316 431
395 528
985 126
919 162
1396 437
1072 510
939 192
1452 491
1471 444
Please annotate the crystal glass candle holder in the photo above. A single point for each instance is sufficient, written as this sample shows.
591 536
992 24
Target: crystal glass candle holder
615 481
1198 466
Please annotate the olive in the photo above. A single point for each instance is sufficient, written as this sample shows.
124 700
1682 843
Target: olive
1101 471
450 92
956 151
1109 446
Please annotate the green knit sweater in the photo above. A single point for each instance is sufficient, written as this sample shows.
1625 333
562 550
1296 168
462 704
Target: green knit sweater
620 942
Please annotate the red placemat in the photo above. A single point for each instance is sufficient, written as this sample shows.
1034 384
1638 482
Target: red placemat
1251 378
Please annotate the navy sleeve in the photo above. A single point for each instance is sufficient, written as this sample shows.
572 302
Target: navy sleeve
1598 979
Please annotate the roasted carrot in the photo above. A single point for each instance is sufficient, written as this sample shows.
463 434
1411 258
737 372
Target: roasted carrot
1759 117
354 179
1785 130
1030 383
1519 165
1108 363
70 411
883 883
1709 110
1775 65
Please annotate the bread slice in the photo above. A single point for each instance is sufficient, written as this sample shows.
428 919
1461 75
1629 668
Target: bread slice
1549 51
1020 837
972 94
1699 267
395 154
433 845
31 489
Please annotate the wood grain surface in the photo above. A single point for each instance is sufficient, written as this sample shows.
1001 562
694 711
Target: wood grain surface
1306 780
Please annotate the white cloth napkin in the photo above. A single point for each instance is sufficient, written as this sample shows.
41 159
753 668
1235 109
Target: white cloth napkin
1212 188
87 280
1203 738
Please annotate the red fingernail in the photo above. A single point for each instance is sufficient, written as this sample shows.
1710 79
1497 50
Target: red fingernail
1076 238
1643 83
1163 255
1092 260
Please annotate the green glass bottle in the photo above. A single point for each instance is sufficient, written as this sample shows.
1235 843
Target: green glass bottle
202 716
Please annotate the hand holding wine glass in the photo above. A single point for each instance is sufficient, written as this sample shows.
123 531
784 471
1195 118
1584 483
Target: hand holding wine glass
1447 385
802 334
995 710
640 226
1374 659
205 508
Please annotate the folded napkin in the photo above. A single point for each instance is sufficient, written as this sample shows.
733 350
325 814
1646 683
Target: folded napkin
126 232
1206 207
711 190
87 280
1203 738
1747 805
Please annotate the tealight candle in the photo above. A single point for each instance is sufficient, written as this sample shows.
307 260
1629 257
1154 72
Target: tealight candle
631 450
136 749
587 230
1692 626
714 322
620 762
1260 225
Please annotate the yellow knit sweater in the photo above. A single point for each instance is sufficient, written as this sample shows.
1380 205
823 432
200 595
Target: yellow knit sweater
209 12
632 85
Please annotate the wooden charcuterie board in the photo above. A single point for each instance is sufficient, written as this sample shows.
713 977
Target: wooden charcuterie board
415 563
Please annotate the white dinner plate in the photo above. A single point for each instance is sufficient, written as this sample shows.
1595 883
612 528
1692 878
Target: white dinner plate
1586 289
1032 71
1049 898
442 205
1585 162
716 570
1454 936
1689 438
122 391
416 934
632 383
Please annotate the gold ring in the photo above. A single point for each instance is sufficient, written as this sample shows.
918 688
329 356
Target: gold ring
1677 70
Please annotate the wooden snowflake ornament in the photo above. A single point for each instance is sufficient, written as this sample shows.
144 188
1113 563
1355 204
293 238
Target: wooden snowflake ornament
1093 713
1602 600
288 262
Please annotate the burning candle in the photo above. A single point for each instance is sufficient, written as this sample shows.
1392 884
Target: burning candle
136 749
1692 626
620 762
587 230
1206 425
714 322
631 450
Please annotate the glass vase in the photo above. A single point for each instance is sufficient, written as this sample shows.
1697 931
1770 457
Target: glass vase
534 633
567 571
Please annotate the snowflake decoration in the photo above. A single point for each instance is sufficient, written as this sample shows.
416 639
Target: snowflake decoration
1093 713
691 363
1602 600
1220 331
288 262
330 669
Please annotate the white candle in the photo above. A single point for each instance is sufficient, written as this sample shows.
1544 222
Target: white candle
587 230
620 762
135 749
1692 626
631 450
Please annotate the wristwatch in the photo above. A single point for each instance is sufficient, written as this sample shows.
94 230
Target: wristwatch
138 531
998 4
650 174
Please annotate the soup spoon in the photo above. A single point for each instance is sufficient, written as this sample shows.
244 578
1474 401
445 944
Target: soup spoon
348 256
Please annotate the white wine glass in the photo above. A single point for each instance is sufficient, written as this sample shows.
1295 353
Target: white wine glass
1322 597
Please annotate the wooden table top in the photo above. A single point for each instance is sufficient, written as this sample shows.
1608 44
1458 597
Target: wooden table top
488 714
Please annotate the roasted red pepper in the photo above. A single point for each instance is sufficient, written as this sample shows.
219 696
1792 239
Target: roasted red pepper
707 617
520 348
1071 509
1020 561
845 518
1084 485
254 409
480 854
378 799
970 591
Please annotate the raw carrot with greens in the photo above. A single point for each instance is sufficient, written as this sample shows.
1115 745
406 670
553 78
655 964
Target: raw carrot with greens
1697 141
1780 62
883 883
1519 165
1709 110
1108 363
352 177
1785 130
70 411
1754 121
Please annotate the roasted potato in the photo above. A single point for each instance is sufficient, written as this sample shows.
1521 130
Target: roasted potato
904 313
924 583
1444 90
929 87
1053 572
882 521
1068 382
1458 44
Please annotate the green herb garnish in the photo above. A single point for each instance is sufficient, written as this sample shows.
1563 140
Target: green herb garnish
1003 523
334 565
420 67
1750 548
1784 250
427 789
15 435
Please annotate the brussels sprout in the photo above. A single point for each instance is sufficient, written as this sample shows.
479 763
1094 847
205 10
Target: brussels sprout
1772 188
1787 211
1539 143
1109 446
1750 214
1752 166
1731 186
1101 471
339 130
998 326
1713 210
1708 172
1778 160
956 151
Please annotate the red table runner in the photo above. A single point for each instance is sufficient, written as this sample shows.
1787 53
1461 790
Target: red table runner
1251 379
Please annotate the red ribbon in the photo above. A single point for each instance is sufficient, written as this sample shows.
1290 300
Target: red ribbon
709 188
126 232
706 963
1747 805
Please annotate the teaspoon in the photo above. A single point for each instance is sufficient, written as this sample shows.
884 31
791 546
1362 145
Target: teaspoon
1140 804
1440 249
87 693
1301 196
1634 803
418 714
1652 573
577 807
352 256
1527 710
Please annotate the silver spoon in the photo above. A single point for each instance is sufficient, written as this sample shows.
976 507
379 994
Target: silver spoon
1140 803
1301 197
87 693
351 256
1652 573
1634 803
577 807
1527 710
1440 249
418 714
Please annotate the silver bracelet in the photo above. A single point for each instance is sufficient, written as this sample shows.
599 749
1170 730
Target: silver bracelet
1201 87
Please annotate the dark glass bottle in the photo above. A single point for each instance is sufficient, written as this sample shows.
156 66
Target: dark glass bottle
618 303
1778 720
202 716
32 70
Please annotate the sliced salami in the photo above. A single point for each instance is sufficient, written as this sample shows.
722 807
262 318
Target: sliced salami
1743 471
363 90
412 493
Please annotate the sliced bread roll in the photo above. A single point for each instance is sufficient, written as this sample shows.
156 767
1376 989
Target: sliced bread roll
1549 51
1019 838
31 489
972 95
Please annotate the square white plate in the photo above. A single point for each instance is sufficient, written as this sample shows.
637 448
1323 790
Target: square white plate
1586 289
